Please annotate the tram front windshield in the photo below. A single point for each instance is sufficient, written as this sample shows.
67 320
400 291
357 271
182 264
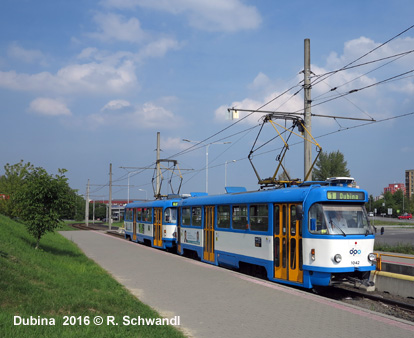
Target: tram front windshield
339 219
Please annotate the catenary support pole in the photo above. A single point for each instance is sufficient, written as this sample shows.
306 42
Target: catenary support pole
307 111
110 196
158 192
87 205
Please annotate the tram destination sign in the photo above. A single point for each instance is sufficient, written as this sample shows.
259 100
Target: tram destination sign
346 195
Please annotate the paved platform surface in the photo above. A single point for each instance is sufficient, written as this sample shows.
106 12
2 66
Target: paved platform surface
215 302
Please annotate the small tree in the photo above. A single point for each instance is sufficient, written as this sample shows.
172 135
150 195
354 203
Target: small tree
330 165
11 182
42 200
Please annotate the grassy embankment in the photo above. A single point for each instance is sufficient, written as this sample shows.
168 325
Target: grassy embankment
403 248
58 280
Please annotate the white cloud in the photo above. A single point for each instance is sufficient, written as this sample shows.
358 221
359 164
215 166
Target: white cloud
260 81
31 56
115 27
377 101
75 78
122 113
158 48
173 143
49 107
265 92
116 105
208 15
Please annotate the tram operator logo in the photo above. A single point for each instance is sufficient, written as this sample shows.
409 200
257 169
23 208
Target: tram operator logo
354 252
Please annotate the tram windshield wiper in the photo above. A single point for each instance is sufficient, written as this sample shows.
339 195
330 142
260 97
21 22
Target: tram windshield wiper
336 226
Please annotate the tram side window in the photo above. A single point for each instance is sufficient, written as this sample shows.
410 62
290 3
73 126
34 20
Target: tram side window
317 224
170 215
186 216
196 216
129 215
259 217
139 214
293 220
223 216
240 217
276 220
147 214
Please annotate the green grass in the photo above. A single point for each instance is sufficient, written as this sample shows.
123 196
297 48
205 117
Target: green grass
391 222
403 248
59 280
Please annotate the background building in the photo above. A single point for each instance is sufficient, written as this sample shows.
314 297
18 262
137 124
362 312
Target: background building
409 182
392 188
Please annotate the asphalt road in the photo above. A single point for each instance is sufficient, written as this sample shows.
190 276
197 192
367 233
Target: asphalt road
394 236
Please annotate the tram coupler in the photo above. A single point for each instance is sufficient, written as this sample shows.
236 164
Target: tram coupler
365 282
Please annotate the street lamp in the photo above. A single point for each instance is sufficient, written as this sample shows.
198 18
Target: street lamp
207 146
146 195
225 172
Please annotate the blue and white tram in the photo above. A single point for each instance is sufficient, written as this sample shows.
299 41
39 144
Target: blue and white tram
309 235
152 222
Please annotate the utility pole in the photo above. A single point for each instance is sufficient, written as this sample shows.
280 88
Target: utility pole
87 205
110 196
158 192
93 212
307 112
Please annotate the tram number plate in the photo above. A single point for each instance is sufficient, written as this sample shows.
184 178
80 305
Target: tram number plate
355 262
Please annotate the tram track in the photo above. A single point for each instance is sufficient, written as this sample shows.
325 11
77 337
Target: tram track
381 302
82 226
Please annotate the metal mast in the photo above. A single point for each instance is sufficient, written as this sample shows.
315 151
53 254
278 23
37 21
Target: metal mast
307 112
158 185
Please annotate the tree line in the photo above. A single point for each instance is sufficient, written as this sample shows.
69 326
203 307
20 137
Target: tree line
39 199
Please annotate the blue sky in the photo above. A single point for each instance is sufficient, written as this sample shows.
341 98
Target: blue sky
88 83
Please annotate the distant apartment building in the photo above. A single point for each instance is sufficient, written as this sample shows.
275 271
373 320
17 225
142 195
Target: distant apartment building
392 188
409 182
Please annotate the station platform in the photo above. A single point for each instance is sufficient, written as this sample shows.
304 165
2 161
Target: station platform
213 301
397 263
395 275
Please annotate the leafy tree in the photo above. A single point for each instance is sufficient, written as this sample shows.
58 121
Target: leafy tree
11 182
396 201
100 210
330 165
77 210
42 200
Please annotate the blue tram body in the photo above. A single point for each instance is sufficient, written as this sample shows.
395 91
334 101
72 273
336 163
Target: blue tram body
152 222
314 234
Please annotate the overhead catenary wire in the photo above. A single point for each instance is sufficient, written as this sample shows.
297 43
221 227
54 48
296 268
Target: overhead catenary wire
234 123
365 87
335 88
316 81
362 56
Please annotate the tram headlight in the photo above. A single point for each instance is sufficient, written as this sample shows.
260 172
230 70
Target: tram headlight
372 257
338 258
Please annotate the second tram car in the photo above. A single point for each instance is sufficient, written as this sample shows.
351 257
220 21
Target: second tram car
152 222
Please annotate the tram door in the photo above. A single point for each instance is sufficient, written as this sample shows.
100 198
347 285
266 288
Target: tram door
209 233
134 226
287 243
179 230
157 226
